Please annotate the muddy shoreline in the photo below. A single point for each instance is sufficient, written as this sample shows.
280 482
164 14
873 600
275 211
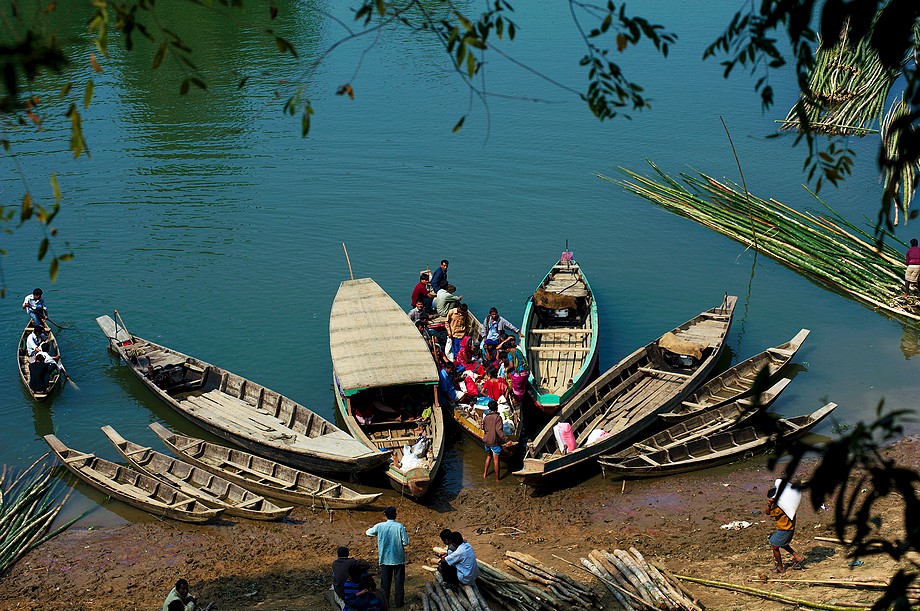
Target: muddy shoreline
241 564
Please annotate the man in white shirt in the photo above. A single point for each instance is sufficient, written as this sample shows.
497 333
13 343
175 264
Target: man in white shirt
34 305
445 300
34 340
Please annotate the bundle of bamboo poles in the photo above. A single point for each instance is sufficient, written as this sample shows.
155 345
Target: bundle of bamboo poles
825 247
848 87
554 590
637 584
28 508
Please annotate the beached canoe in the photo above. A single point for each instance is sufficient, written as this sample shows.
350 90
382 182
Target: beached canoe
384 371
210 489
22 359
623 402
239 410
706 422
738 381
129 486
559 336
715 449
262 475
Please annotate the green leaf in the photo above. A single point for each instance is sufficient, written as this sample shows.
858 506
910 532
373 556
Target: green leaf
53 270
459 124
158 57
55 188
66 257
42 249
26 208
66 89
470 65
88 94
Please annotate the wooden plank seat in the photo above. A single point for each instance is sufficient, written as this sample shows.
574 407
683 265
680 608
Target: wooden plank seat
784 354
561 330
559 349
666 373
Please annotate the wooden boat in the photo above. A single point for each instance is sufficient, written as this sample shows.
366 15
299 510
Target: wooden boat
239 410
622 403
22 358
131 487
210 489
704 423
559 336
714 449
381 364
261 474
737 381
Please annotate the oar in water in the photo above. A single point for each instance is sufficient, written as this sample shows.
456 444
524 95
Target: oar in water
55 324
67 376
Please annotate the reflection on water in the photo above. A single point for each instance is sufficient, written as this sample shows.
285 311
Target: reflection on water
910 341
43 414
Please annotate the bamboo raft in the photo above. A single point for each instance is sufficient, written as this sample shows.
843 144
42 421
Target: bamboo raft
261 474
738 381
209 488
129 486
626 400
239 410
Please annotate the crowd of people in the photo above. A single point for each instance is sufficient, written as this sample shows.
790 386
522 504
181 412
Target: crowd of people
482 371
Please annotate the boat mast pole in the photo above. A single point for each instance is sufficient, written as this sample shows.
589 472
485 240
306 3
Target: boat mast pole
347 260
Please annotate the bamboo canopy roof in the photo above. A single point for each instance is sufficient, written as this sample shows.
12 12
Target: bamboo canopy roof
373 342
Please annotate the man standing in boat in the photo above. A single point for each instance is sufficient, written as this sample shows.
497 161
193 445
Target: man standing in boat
391 555
492 328
34 305
912 275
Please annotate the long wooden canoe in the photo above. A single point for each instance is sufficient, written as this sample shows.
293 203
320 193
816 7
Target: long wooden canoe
131 487
715 449
239 410
22 359
210 489
627 399
737 381
706 422
559 336
380 363
261 474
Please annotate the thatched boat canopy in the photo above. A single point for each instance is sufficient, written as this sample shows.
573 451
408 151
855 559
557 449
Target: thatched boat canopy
373 342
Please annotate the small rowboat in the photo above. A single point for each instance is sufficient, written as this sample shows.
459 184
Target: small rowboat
380 364
704 423
626 400
559 335
737 381
239 410
131 487
22 358
210 489
715 449
261 474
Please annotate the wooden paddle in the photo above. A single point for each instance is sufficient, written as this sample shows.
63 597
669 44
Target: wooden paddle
67 376
55 324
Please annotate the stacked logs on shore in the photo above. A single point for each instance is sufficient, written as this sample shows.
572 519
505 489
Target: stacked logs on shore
637 584
531 586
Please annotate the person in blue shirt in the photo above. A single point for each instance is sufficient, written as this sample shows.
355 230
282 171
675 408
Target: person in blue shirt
439 277
391 555
459 567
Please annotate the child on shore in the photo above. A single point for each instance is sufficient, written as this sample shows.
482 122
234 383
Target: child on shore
782 536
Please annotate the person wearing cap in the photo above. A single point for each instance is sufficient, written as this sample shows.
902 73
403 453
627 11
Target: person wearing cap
34 305
493 438
391 555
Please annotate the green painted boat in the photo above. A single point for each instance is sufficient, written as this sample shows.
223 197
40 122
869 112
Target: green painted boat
559 335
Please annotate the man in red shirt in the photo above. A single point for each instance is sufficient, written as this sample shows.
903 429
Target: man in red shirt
422 293
912 275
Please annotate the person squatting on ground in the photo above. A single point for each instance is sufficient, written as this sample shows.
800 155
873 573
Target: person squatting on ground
459 566
391 555
179 593
781 539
